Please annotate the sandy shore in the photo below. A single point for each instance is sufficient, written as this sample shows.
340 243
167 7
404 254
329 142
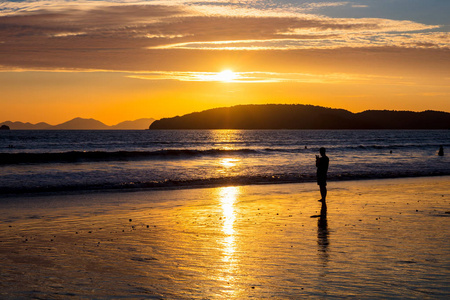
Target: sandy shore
376 239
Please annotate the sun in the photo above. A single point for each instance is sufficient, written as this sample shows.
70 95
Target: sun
226 76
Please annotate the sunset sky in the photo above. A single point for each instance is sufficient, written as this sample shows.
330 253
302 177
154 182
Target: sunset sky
124 60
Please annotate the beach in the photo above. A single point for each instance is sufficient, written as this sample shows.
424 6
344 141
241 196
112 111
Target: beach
376 239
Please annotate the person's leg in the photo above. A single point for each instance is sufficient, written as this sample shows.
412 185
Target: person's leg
323 192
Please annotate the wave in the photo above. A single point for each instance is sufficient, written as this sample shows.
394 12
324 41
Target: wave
388 147
98 156
95 156
209 182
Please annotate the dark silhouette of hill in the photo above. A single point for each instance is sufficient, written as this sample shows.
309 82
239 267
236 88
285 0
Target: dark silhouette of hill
81 124
136 124
282 116
26 126
385 119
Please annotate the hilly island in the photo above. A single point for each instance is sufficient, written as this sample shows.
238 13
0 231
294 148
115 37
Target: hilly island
81 124
297 116
264 116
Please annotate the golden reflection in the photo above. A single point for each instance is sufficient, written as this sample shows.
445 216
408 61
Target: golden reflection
228 196
226 139
229 162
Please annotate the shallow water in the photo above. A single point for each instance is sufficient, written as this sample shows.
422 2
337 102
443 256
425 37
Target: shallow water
378 239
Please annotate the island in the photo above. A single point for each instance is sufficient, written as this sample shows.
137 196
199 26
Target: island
298 116
81 124
4 127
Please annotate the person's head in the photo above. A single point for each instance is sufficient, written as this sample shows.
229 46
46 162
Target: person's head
322 151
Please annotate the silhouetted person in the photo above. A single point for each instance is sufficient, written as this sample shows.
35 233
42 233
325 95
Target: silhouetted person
441 151
322 163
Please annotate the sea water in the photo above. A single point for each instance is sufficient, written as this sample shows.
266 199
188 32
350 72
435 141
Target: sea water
46 161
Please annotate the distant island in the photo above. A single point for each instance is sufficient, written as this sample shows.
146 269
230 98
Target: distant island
81 124
297 116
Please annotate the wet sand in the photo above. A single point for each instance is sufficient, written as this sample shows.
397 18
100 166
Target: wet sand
376 239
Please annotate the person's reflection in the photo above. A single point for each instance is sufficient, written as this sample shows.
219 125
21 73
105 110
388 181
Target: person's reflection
322 233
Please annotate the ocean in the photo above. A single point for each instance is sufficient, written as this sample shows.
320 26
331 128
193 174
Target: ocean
68 161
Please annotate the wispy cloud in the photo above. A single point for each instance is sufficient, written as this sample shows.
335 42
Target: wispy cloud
41 30
241 77
235 77
405 40
323 4
267 77
229 76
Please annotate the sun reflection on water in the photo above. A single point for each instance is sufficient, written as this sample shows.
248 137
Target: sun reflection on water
229 162
228 197
227 139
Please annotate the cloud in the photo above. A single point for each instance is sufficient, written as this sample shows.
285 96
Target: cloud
268 77
323 4
359 26
240 77
237 77
95 34
404 40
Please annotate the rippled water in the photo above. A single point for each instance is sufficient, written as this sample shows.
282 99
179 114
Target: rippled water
34 161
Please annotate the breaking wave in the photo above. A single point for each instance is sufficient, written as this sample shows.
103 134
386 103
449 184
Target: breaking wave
94 156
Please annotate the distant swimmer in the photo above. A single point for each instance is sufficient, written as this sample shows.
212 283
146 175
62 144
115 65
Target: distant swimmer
441 151
322 163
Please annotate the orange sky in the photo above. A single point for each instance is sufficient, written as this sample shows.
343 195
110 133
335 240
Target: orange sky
124 61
